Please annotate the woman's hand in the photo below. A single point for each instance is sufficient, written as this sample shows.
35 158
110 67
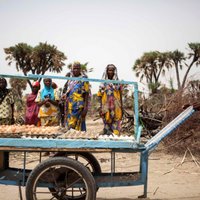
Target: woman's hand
47 102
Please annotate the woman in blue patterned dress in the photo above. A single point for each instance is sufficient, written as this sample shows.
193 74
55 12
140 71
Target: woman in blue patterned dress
76 93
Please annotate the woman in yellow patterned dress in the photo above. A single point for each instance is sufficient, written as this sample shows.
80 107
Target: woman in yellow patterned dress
47 100
110 98
76 93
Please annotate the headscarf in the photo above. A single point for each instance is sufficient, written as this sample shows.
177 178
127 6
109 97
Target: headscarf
71 83
47 92
105 74
82 74
102 86
36 84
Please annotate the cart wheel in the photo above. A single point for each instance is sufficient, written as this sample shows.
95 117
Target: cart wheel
89 161
65 176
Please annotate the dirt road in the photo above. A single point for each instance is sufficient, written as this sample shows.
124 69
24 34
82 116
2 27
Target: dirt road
165 181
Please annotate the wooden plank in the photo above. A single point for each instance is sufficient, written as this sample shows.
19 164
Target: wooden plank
52 149
69 144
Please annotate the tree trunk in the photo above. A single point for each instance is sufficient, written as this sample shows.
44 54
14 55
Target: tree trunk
186 74
177 76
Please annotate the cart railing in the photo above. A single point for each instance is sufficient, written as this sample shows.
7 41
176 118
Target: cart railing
137 131
169 128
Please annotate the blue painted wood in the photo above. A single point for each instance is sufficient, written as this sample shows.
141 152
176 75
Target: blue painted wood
69 143
34 76
82 79
9 182
136 112
139 132
120 184
144 171
15 76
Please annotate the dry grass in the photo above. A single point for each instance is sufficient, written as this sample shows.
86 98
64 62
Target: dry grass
188 134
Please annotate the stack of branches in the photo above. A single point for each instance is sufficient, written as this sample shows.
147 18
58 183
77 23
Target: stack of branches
188 134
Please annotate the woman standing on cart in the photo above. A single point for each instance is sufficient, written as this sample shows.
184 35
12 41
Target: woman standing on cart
47 100
6 104
110 99
76 95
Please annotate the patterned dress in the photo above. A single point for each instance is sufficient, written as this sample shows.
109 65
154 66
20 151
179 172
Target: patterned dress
111 106
75 91
6 102
49 116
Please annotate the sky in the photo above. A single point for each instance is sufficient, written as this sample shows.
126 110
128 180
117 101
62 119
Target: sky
101 32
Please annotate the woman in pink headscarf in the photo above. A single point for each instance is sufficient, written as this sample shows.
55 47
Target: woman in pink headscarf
32 108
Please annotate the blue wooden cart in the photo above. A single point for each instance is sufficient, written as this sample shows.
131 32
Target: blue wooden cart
61 177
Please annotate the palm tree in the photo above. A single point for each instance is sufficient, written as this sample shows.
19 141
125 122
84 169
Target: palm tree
151 66
177 57
37 60
21 54
194 55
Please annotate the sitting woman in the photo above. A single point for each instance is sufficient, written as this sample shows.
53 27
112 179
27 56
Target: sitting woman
110 99
76 93
6 104
47 100
32 108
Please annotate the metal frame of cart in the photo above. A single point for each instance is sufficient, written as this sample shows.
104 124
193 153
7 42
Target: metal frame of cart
83 147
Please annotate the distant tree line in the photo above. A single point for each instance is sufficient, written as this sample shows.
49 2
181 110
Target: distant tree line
151 66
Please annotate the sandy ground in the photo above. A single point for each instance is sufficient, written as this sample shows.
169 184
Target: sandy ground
168 179
165 180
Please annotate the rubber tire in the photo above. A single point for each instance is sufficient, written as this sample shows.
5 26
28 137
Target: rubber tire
77 166
88 157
